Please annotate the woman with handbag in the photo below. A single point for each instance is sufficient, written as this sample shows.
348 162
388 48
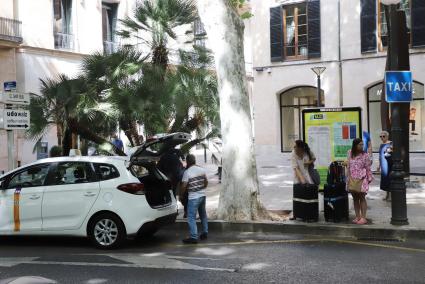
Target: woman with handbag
359 177
302 158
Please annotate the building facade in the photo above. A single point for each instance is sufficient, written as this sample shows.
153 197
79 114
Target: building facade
42 39
349 38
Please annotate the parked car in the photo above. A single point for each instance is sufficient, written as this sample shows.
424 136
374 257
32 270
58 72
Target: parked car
107 199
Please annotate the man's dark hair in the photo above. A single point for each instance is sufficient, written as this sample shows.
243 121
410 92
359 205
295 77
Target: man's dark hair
190 160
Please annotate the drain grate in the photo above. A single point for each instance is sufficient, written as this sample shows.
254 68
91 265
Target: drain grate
384 240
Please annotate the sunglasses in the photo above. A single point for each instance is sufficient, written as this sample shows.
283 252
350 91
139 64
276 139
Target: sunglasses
382 136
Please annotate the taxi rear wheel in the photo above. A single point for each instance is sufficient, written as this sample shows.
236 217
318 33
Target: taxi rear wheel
106 231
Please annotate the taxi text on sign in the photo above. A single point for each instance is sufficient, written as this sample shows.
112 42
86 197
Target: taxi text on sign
398 86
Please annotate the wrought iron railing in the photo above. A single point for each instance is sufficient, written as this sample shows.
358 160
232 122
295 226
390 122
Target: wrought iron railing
64 41
10 30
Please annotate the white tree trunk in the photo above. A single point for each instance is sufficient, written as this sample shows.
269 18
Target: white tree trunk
225 31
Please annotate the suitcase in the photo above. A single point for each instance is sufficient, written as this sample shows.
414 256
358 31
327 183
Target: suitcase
306 202
335 200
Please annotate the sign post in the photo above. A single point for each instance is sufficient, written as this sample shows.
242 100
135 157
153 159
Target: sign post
11 118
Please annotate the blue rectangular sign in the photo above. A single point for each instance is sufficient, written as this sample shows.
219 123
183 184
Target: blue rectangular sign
9 86
398 86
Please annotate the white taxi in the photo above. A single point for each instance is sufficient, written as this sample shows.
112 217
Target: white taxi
105 198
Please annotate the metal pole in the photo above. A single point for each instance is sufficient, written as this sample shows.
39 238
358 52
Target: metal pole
318 91
10 149
398 185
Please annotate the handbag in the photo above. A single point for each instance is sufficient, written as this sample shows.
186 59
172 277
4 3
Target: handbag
314 175
355 185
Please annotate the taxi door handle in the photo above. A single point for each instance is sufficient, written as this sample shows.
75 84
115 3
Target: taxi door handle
34 197
89 194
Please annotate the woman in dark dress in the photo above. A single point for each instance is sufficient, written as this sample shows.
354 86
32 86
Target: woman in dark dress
385 163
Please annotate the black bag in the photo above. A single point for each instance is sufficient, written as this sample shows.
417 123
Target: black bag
336 173
335 200
306 202
314 174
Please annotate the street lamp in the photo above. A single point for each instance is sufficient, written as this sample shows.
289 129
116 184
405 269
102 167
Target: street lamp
398 185
318 71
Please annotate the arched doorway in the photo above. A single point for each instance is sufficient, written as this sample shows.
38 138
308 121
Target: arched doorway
417 116
292 103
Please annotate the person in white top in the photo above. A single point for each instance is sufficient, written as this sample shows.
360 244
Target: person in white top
195 181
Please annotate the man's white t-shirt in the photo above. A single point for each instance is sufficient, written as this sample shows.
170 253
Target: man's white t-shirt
195 177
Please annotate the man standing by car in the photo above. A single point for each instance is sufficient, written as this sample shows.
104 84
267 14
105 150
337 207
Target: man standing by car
195 181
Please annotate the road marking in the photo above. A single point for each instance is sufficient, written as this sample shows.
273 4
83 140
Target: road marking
134 261
376 245
253 242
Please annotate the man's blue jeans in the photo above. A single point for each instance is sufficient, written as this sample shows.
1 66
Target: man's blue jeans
193 206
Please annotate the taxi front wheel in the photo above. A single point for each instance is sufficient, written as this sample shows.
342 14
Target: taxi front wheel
106 231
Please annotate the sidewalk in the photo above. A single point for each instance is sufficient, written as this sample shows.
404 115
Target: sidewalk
275 178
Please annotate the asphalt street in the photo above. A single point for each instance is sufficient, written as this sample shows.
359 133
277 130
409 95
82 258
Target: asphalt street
229 258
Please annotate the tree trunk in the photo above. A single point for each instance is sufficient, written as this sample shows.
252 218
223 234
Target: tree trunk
85 133
239 195
131 131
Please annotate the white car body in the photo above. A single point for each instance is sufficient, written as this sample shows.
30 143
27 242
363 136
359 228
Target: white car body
67 209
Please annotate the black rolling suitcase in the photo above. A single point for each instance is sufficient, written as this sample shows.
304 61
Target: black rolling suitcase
335 200
306 202
335 196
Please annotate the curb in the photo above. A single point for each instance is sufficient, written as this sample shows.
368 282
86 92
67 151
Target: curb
323 229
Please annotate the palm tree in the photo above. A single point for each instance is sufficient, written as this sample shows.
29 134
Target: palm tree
159 18
66 104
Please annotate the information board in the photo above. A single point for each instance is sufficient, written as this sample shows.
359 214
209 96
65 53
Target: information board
330 132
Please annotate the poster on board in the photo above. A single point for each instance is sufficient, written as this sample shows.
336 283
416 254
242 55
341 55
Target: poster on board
330 132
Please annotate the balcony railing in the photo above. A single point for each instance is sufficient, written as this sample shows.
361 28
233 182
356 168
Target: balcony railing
10 30
109 47
64 41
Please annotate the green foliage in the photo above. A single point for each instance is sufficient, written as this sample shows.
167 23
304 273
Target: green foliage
55 151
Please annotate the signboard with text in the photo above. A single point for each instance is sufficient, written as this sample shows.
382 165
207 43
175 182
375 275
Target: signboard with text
15 119
330 132
398 86
9 86
14 98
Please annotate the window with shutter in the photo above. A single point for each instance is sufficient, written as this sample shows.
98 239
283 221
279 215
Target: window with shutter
295 31
418 23
276 34
314 30
368 26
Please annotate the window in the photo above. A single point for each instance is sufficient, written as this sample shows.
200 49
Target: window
199 33
382 23
30 177
109 21
106 171
72 173
295 31
62 10
416 117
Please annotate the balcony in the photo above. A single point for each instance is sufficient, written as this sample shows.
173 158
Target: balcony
109 47
64 41
10 30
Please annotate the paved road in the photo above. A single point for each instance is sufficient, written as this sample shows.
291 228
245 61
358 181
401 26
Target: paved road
230 258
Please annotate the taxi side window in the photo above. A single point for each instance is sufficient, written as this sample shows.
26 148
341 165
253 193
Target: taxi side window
72 173
106 171
30 177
